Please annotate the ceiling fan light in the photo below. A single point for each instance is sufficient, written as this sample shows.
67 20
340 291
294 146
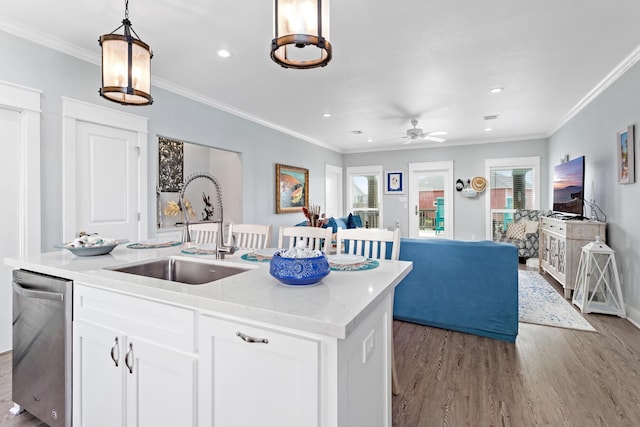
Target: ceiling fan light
301 34
126 66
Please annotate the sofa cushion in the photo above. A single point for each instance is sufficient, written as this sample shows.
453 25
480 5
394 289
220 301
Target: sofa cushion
515 230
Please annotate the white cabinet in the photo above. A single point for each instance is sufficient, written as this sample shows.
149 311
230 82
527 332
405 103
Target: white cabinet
561 245
127 372
138 362
257 377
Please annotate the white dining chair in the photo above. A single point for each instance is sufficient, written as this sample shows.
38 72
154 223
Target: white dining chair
249 236
369 242
372 243
316 238
204 233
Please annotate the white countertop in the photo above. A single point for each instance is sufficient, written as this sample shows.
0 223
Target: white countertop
332 307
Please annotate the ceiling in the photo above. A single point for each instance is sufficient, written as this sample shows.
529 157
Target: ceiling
393 61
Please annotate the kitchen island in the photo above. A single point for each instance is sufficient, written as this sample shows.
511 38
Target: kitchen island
241 351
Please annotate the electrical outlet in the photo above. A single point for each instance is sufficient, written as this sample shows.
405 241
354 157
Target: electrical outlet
368 345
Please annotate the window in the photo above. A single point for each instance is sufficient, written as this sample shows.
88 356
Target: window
514 183
364 194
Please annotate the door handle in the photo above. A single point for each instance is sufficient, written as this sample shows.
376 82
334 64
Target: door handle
30 293
247 338
128 356
416 209
115 352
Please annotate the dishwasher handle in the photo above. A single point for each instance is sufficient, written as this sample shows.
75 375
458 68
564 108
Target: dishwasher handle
30 293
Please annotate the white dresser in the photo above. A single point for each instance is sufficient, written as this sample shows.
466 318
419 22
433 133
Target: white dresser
561 243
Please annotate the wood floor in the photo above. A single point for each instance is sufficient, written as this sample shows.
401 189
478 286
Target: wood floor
549 377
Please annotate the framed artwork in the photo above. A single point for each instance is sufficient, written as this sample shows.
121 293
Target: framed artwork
292 188
394 182
170 165
626 156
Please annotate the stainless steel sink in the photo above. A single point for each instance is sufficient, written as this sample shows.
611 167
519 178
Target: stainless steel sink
181 270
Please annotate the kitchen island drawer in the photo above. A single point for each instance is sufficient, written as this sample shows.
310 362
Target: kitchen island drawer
162 323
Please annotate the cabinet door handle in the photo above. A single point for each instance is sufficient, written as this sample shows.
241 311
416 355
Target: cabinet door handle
129 359
416 209
115 352
247 338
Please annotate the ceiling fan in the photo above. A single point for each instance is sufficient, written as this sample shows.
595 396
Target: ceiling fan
416 133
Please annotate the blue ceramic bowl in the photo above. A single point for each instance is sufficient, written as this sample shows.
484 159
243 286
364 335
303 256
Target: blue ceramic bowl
299 271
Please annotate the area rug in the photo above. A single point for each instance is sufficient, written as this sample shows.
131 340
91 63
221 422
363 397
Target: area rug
541 304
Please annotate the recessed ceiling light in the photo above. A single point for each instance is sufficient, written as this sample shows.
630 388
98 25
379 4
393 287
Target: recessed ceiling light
496 90
222 53
488 129
370 140
326 114
438 133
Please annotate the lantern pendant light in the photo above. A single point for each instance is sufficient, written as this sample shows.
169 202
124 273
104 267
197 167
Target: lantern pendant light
126 66
301 33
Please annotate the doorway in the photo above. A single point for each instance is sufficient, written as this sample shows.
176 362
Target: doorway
431 200
333 191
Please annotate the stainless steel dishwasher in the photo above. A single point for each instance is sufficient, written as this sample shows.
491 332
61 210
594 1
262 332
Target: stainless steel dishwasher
42 319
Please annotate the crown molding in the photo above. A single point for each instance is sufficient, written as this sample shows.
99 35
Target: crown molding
628 62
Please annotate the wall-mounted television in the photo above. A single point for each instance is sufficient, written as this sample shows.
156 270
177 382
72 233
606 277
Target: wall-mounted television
568 187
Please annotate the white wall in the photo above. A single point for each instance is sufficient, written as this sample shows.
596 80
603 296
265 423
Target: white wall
468 161
592 133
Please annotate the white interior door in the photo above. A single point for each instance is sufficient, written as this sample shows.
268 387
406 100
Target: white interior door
333 191
431 200
104 172
20 177
9 214
107 181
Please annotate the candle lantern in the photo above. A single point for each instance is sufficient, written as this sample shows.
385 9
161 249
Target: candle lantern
597 287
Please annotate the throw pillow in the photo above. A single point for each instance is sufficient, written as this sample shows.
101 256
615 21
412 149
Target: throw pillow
351 223
530 226
515 230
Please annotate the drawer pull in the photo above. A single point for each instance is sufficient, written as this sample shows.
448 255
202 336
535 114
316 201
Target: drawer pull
247 338
126 358
115 352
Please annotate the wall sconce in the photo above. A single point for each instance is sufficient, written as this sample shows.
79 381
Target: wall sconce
301 33
126 66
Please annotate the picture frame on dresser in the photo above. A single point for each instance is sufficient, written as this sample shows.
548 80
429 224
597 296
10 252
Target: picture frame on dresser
626 155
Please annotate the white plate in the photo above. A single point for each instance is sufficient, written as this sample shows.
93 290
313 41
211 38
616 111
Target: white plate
267 252
346 259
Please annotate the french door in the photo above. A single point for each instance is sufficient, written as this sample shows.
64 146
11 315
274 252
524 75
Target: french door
431 200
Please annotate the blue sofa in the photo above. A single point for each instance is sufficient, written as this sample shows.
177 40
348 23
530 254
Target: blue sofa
463 286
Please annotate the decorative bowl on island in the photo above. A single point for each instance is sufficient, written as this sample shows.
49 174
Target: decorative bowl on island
299 270
91 245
